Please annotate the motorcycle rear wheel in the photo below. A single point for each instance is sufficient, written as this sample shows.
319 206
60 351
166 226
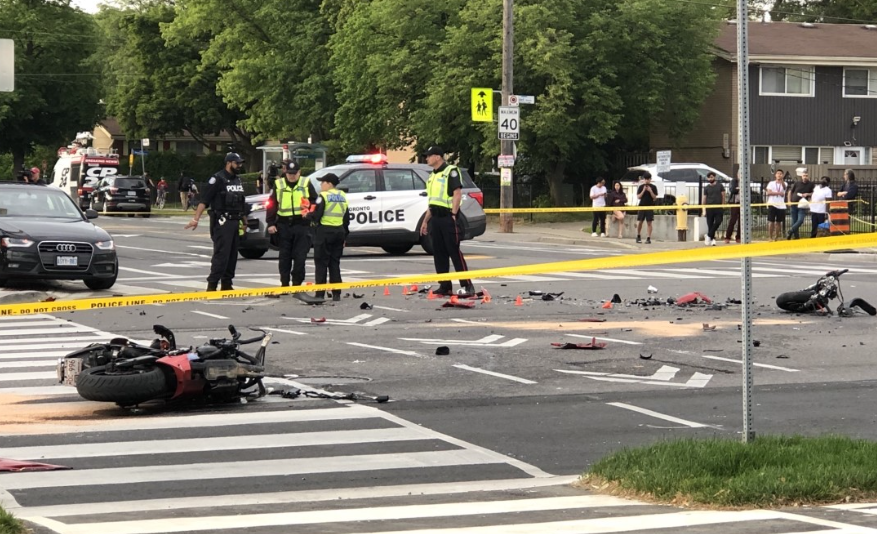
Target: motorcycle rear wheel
125 389
794 301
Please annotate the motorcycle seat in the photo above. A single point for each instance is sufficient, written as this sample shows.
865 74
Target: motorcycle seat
207 351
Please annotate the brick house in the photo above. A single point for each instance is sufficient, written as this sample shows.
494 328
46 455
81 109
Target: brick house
813 99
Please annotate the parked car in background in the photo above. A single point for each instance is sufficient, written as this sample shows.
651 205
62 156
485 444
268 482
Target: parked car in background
682 179
44 235
122 194
386 201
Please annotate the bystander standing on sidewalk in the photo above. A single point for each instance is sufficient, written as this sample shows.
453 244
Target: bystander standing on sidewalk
819 205
598 200
618 199
776 208
713 195
647 194
849 191
798 192
734 199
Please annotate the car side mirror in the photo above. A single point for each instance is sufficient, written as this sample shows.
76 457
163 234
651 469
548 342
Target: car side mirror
90 214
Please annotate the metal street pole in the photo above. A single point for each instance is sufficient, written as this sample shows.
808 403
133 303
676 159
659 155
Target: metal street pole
506 188
745 215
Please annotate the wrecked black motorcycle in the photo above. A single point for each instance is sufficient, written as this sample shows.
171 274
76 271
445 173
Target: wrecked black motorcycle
816 298
127 373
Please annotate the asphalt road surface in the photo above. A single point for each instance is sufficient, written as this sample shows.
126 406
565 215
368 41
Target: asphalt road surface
486 439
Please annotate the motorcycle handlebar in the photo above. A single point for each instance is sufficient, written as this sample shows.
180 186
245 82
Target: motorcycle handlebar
251 340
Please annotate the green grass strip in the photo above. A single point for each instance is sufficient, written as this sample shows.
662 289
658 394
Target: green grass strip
771 471
10 525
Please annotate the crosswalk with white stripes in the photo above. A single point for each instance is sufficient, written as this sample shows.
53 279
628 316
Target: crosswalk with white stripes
305 466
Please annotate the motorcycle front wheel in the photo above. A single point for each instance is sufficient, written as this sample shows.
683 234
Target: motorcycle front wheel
794 301
124 388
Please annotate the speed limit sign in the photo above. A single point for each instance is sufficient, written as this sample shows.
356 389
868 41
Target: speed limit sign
509 123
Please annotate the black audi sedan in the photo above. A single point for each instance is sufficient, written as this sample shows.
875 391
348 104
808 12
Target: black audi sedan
44 235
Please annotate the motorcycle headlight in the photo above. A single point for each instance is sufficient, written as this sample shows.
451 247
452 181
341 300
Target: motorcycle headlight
10 242
105 245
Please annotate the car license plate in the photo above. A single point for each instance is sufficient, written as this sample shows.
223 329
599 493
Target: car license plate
132 193
66 261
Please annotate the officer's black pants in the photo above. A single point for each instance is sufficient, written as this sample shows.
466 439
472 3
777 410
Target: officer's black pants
328 248
225 251
446 244
295 242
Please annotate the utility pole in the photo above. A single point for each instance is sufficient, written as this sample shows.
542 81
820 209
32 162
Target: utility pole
743 153
506 189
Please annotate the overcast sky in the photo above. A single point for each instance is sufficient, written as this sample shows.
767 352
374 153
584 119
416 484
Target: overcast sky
89 6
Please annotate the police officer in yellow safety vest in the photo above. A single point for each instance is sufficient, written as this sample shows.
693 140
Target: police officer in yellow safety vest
289 217
441 220
332 228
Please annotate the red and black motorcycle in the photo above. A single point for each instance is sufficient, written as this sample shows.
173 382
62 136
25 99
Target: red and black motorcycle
128 373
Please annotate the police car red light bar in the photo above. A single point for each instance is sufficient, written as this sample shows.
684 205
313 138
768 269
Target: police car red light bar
367 158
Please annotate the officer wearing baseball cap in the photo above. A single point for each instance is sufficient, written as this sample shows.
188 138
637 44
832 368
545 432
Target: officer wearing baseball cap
333 226
288 216
224 194
445 191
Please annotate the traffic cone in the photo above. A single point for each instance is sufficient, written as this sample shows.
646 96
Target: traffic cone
405 290
386 291
413 288
454 299
485 296
430 295
607 305
519 301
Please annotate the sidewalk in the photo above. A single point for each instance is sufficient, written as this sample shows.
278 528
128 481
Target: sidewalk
570 233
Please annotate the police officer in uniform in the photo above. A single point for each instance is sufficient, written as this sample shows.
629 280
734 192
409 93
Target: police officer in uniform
333 226
288 216
225 196
445 190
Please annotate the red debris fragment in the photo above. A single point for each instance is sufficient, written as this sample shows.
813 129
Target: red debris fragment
692 298
320 320
459 304
17 466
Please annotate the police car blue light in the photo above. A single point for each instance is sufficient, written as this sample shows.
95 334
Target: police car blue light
367 158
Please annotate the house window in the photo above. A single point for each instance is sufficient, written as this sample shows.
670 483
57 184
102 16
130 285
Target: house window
189 147
859 83
761 155
786 81
786 154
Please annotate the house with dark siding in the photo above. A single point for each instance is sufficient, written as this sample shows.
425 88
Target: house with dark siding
813 99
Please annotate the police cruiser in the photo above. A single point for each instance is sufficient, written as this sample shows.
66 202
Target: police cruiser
386 202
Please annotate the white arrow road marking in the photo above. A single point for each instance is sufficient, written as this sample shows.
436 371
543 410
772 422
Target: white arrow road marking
209 314
487 341
664 373
387 349
607 339
670 418
765 365
352 321
492 373
697 380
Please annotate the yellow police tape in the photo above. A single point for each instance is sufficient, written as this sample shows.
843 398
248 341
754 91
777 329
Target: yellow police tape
612 262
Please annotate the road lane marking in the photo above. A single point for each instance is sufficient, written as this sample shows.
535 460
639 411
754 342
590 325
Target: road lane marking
376 322
209 314
306 496
665 417
40 354
26 364
765 365
492 373
387 349
607 339
245 522
68 328
14 377
389 309
285 331
246 469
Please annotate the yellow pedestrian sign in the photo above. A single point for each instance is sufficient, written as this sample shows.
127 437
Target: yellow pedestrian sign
482 104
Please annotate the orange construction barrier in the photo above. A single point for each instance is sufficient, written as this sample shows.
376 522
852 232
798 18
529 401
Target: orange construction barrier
839 217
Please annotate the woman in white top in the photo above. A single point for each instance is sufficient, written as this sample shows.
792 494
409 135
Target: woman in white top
598 200
818 205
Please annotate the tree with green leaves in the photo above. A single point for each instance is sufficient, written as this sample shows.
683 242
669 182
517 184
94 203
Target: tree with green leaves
57 88
157 87
601 70
272 62
827 11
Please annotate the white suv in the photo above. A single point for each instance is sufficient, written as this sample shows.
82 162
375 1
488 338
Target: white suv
682 179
